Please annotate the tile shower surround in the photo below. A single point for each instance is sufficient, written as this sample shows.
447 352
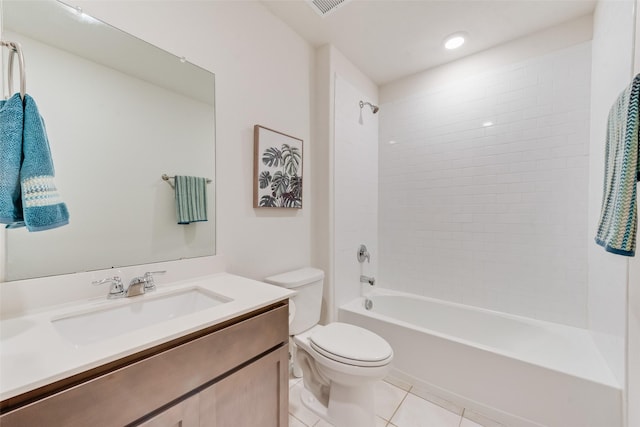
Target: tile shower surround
491 215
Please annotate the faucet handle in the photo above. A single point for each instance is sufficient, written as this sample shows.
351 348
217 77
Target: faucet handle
363 254
117 288
150 284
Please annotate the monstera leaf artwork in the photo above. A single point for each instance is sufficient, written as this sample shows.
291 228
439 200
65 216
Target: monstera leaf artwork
277 169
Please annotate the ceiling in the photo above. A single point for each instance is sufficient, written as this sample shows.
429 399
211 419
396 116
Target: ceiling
390 39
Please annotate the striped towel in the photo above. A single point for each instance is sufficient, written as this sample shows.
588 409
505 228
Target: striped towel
619 217
191 199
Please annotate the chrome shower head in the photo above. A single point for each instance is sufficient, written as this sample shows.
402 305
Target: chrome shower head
374 108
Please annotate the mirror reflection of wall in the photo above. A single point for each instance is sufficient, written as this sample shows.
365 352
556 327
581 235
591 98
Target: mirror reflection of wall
113 132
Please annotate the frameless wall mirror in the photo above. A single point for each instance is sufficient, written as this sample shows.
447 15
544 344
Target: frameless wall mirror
119 113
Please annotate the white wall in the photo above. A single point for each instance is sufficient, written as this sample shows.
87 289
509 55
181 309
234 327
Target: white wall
263 76
345 180
611 73
633 296
632 396
507 202
356 189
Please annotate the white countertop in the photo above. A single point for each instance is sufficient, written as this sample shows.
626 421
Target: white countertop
34 354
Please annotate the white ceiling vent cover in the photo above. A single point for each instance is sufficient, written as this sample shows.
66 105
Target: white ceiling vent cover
325 7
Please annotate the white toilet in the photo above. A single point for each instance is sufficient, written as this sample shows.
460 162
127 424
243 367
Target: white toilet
339 363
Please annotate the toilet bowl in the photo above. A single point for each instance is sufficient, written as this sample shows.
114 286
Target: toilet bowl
339 363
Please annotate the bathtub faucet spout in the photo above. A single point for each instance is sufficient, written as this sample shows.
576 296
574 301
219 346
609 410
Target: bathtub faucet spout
367 279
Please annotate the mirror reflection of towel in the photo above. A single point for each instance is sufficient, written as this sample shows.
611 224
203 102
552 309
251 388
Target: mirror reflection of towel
191 199
619 218
41 205
11 122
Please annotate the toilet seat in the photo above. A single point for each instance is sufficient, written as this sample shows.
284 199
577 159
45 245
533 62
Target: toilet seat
351 345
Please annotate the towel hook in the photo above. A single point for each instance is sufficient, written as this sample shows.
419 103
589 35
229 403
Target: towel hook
15 48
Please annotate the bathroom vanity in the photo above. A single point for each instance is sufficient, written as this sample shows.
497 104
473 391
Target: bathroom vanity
225 365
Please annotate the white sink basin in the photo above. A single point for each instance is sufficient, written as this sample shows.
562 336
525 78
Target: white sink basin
104 323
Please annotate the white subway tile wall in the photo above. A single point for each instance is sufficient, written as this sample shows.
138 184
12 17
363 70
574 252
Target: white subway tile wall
483 197
355 189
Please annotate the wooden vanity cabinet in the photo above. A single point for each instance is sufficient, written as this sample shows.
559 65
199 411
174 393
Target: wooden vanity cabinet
249 397
229 375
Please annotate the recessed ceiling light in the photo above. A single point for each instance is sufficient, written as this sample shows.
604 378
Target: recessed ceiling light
393 142
487 124
455 40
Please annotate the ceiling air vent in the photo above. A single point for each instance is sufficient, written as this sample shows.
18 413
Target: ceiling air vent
325 7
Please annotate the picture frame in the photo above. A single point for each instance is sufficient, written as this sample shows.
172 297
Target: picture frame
277 169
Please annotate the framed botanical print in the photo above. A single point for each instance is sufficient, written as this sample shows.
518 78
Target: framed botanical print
277 169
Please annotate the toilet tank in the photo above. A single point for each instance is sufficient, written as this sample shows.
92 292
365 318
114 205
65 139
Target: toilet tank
307 283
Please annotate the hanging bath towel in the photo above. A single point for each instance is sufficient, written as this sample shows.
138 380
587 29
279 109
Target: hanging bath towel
191 199
11 123
619 217
41 204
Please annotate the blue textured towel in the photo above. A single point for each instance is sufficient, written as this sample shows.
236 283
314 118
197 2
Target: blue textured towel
41 204
191 199
11 122
619 218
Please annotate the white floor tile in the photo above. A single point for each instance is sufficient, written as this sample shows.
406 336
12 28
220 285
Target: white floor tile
406 386
466 422
297 409
388 398
293 380
480 419
427 395
294 422
379 423
417 412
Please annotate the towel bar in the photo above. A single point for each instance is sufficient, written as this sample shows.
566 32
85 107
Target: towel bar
166 177
14 48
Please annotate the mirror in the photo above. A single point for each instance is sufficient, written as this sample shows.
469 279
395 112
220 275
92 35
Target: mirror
119 114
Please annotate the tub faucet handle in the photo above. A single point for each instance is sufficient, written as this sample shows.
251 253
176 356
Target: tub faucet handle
363 254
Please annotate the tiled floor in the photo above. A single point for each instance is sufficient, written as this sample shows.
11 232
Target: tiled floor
395 407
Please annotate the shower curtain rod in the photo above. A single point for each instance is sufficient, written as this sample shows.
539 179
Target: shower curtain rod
15 48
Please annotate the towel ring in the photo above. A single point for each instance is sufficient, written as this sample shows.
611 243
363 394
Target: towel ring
15 48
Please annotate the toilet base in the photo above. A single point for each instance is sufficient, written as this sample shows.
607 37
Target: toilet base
348 406
296 370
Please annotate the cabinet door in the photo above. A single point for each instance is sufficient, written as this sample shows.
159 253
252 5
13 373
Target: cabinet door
256 395
183 414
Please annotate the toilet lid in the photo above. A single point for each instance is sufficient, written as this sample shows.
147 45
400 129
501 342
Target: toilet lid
351 344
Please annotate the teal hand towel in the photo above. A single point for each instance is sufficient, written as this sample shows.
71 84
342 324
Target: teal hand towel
11 124
618 223
42 206
191 199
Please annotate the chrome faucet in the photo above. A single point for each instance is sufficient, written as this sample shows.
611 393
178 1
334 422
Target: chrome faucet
367 279
141 284
137 286
117 288
150 284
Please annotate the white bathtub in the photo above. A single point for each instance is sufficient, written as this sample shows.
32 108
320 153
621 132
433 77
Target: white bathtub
515 370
